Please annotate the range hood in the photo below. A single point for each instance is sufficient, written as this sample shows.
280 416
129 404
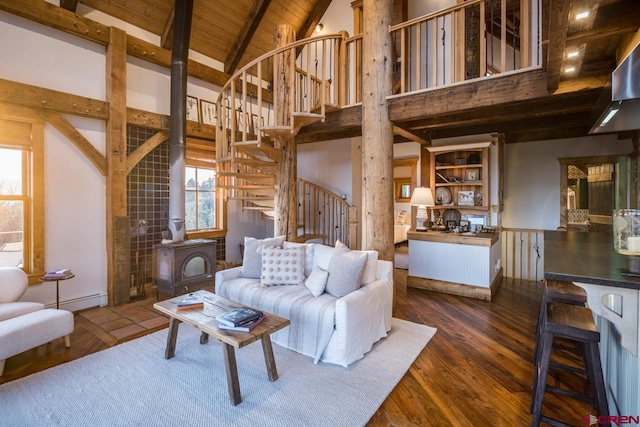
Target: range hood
623 110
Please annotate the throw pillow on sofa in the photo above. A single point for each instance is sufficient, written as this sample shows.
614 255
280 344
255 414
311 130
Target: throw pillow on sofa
345 271
308 254
252 262
317 281
282 266
371 269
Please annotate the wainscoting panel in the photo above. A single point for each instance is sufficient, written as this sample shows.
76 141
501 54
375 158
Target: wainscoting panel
523 253
621 371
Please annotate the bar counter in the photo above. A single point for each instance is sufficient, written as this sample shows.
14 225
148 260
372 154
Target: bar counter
590 261
586 258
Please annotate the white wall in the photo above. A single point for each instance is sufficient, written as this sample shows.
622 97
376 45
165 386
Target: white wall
532 177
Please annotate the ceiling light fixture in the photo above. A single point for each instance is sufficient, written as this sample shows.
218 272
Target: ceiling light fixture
609 116
569 69
581 15
319 27
573 54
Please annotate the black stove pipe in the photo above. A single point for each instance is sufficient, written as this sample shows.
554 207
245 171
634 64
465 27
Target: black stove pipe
178 135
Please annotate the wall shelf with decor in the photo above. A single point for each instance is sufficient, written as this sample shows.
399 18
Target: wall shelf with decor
460 176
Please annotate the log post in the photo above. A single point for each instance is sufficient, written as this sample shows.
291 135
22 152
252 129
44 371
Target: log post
286 188
377 131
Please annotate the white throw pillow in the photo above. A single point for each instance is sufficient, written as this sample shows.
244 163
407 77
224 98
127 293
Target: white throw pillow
308 254
371 270
252 262
317 281
401 217
282 266
345 271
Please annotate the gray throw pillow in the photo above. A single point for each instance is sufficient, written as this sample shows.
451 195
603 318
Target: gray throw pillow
345 271
252 262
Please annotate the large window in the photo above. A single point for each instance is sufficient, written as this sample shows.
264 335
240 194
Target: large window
13 199
200 199
21 191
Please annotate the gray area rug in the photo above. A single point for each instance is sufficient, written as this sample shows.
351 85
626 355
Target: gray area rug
133 385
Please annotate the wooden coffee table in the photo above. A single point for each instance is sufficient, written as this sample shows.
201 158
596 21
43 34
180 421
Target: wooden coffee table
204 320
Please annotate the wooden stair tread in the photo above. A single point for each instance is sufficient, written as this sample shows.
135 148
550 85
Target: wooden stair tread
301 120
281 133
329 107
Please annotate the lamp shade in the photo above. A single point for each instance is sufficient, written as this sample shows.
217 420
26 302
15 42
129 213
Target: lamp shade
422 197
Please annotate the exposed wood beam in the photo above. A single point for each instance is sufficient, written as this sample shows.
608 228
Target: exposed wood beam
313 19
167 31
558 26
148 146
116 186
244 38
70 5
489 92
411 135
72 134
37 97
544 135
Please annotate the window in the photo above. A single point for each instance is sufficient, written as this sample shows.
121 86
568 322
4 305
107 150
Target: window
200 199
21 191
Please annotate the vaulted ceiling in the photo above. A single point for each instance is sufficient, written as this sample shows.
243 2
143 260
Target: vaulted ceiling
230 31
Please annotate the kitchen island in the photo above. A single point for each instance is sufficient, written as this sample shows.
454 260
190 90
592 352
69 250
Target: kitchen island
466 264
590 261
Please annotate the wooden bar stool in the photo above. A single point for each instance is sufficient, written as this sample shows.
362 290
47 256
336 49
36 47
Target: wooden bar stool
556 291
575 323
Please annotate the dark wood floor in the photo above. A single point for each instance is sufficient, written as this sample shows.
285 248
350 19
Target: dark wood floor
476 371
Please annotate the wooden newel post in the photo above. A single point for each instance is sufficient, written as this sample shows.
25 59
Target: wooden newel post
286 188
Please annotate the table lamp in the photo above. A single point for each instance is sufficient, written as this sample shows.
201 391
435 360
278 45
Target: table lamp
626 238
422 198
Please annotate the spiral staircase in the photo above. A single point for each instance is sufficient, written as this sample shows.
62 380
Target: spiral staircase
249 137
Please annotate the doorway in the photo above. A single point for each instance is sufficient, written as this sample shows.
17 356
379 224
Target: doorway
590 189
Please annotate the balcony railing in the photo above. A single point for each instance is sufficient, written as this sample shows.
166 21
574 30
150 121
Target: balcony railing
473 39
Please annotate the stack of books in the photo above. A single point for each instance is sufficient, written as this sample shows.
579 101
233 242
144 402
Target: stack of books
62 274
190 301
242 319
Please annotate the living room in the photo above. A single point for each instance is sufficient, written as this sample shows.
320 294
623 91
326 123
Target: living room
75 190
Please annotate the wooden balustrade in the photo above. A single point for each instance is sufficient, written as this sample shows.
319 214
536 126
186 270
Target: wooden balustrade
473 39
324 215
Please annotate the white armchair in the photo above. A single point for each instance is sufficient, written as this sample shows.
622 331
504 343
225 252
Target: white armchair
25 325
13 284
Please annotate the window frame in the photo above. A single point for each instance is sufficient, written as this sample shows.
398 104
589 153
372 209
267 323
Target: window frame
33 187
220 224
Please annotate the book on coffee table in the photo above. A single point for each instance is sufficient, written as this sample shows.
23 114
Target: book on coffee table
243 327
190 301
238 316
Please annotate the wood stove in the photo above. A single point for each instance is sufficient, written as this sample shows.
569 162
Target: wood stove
185 266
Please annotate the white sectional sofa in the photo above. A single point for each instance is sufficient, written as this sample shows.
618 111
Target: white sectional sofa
337 326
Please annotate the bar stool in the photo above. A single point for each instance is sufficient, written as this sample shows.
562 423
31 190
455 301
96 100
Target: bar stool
575 323
556 291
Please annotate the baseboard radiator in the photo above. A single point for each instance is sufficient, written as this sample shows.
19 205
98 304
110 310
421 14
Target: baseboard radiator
523 253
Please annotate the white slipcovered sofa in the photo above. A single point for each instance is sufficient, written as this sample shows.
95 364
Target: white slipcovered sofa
337 325
25 325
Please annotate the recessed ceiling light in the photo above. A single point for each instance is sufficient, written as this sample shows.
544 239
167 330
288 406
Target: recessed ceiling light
609 117
582 15
569 69
573 54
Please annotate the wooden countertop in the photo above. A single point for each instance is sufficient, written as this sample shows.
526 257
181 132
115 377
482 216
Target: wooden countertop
585 257
473 239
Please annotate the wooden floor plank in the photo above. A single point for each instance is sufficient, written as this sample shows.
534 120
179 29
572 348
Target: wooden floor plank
476 371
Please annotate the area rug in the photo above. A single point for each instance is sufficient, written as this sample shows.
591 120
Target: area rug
133 385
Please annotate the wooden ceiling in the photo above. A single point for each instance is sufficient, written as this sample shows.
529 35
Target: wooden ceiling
554 104
230 31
